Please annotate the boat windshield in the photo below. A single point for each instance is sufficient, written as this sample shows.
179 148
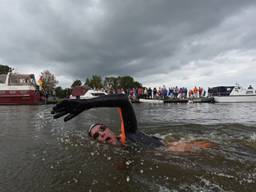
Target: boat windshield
220 91
18 79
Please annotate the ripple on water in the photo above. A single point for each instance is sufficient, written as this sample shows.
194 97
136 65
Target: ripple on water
50 154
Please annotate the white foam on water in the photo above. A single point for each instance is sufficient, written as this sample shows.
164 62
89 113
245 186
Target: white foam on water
163 189
225 175
253 137
203 185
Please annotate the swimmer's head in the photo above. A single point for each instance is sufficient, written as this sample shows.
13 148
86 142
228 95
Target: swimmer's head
102 134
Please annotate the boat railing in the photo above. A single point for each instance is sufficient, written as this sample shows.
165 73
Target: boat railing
21 84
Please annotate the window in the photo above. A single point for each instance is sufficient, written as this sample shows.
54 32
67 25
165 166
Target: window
2 78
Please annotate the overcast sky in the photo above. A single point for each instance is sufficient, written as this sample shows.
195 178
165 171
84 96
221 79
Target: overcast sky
158 42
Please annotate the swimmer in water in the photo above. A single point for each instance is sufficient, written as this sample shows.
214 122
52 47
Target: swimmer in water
103 134
129 131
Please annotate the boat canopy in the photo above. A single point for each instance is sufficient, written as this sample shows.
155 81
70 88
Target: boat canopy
220 91
21 79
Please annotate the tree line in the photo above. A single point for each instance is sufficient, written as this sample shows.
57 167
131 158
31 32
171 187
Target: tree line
4 69
97 82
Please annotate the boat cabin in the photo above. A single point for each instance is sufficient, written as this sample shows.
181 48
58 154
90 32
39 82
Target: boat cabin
230 91
14 79
220 91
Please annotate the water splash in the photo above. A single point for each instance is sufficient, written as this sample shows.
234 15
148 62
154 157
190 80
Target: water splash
253 137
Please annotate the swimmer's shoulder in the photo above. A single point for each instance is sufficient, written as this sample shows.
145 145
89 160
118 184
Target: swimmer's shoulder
144 139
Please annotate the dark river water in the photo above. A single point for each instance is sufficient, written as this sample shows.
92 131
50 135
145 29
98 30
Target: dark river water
41 154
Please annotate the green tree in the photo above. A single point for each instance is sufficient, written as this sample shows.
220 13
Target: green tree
59 92
67 92
87 81
127 82
48 82
95 82
137 84
76 83
62 93
4 69
110 82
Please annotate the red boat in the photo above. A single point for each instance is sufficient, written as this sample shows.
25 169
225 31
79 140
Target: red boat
19 89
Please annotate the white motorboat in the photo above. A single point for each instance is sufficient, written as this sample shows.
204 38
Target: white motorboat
151 100
233 94
89 94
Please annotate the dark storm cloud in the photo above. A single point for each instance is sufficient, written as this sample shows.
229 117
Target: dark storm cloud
76 39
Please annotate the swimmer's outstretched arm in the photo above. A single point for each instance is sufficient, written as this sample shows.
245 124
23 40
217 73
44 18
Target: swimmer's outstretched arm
72 108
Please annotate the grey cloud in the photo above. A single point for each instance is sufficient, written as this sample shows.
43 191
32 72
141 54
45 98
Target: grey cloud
139 38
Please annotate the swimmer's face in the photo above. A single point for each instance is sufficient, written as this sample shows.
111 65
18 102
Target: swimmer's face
103 134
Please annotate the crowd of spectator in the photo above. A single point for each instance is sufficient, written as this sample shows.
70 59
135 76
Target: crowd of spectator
160 92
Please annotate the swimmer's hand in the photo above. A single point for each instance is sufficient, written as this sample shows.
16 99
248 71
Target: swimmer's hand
70 108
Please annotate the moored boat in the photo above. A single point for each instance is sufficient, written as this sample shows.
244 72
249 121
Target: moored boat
82 92
233 94
19 89
151 101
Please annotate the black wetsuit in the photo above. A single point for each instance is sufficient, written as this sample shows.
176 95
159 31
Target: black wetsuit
74 107
145 140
